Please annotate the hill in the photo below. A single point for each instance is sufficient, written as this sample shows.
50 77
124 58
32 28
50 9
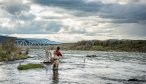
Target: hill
106 45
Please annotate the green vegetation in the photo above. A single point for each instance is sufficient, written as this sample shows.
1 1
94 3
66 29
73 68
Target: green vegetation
9 50
30 66
9 57
107 45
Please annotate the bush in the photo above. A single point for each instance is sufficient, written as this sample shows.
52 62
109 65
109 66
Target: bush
4 56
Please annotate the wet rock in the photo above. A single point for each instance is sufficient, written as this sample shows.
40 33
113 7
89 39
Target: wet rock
133 79
91 56
47 62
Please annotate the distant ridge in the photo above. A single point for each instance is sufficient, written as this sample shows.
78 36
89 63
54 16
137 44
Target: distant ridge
36 40
3 38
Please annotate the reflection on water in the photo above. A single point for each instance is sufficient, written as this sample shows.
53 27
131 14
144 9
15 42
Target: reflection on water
76 68
55 77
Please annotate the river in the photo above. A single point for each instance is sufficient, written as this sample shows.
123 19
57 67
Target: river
76 68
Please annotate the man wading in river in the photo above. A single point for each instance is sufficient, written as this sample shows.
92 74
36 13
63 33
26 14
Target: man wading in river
55 59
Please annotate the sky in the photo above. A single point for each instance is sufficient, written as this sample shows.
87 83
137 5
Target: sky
74 20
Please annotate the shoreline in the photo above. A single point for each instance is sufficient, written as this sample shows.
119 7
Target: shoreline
8 58
102 50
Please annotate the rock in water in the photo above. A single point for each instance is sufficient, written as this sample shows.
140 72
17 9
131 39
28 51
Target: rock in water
133 79
91 56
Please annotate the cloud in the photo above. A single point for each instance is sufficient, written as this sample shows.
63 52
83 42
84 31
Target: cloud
73 20
80 5
130 1
129 13
54 37
73 30
37 27
132 30
53 26
15 8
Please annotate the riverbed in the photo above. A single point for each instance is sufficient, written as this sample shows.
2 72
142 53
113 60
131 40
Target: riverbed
76 68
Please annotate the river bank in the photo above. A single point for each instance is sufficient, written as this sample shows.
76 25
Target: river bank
9 51
10 57
106 45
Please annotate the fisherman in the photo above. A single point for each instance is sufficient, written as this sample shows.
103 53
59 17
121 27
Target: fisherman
55 59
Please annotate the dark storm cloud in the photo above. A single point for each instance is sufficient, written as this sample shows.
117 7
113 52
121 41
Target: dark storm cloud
16 8
80 5
128 13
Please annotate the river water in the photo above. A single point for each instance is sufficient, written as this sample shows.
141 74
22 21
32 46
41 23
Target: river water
76 68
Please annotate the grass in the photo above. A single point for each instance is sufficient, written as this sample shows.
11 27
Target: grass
29 66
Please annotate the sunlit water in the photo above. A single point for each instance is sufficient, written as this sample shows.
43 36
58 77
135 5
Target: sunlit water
76 68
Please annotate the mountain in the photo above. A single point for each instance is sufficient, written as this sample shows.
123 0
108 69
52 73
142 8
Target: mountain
30 40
